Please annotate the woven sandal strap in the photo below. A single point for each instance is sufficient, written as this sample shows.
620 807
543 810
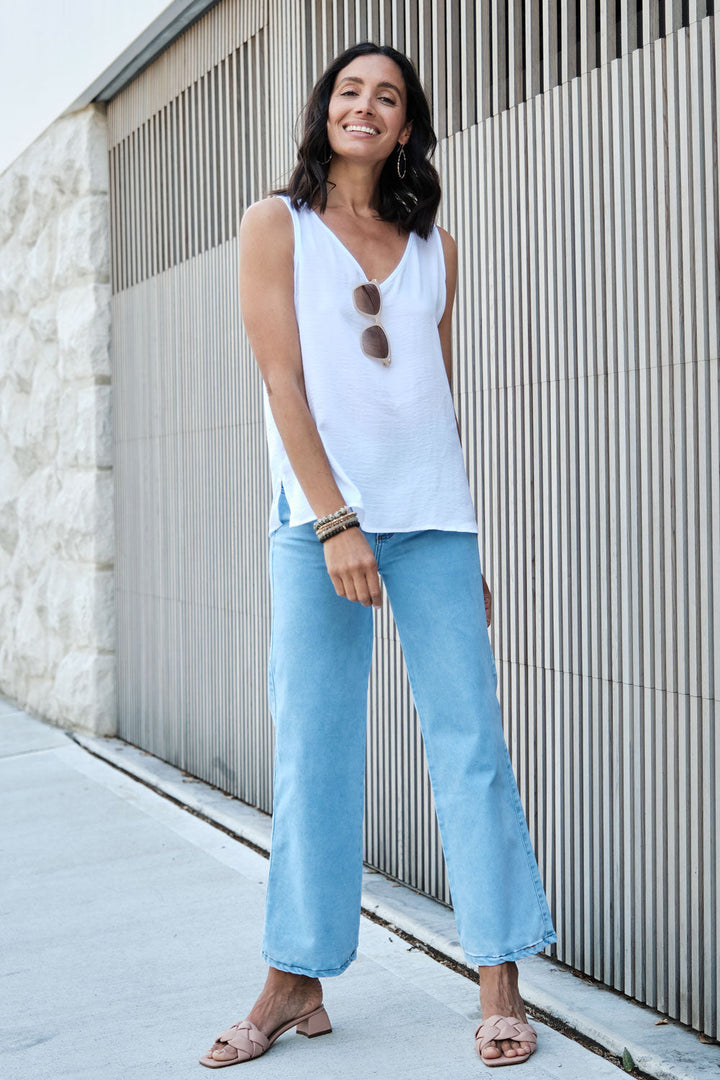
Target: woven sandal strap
246 1037
497 1028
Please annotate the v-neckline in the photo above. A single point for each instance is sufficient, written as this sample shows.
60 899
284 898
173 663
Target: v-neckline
345 248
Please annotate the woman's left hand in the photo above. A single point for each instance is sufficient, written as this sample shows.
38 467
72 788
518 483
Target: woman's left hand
488 600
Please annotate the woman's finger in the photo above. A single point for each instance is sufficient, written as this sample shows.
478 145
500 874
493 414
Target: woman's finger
357 589
488 600
338 584
367 586
352 567
360 587
350 591
374 589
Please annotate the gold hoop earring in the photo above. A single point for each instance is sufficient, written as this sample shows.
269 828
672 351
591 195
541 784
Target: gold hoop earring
401 154
328 159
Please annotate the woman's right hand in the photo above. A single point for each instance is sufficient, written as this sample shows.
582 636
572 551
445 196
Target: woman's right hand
352 568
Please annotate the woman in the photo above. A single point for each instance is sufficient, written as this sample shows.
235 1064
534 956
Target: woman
347 290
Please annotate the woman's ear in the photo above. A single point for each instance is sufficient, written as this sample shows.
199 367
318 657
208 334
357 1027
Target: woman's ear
405 133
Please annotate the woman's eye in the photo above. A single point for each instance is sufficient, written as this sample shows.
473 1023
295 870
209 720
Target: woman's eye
353 93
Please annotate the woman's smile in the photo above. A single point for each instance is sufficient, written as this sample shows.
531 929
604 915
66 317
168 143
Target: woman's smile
368 103
361 129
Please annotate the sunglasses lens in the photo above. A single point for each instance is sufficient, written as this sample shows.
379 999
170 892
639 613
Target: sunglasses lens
367 299
375 343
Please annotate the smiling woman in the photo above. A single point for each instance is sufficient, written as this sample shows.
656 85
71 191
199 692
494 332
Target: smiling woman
347 289
408 188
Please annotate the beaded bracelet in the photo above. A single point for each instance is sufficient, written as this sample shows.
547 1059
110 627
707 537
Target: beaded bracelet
342 512
349 519
345 513
336 529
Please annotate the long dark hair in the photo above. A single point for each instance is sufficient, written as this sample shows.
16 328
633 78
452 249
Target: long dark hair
411 202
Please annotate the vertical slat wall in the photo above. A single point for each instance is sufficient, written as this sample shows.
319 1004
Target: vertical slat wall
578 154
189 149
594 256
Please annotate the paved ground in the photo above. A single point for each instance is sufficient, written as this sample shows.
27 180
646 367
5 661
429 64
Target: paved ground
130 937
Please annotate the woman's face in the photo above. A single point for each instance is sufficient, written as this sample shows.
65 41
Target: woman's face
366 114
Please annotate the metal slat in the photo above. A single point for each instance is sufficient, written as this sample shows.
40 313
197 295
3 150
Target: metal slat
498 45
569 59
551 69
514 34
608 38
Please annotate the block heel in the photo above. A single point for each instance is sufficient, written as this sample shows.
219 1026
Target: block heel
317 1023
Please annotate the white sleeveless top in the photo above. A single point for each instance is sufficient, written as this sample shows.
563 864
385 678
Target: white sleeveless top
389 432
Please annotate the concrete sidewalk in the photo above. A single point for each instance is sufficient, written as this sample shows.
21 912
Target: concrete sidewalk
131 934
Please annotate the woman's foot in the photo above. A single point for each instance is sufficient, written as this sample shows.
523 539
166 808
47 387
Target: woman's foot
499 996
284 996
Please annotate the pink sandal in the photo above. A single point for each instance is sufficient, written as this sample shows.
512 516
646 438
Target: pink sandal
247 1042
497 1028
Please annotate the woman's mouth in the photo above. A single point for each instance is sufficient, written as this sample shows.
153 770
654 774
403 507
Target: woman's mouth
361 129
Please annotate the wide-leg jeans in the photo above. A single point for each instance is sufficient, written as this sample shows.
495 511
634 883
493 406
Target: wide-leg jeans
320 658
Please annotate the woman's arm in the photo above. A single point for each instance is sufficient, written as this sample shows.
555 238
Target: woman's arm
445 331
268 310
445 324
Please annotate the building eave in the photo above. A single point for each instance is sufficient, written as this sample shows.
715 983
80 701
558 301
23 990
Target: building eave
173 21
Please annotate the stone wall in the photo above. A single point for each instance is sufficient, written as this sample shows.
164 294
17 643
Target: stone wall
57 636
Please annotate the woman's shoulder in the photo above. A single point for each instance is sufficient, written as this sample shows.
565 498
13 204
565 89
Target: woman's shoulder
268 219
450 251
448 241
272 211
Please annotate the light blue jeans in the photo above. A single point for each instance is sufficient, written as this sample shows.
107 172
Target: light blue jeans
319 667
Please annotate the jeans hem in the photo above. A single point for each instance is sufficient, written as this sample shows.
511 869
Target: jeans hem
516 954
296 969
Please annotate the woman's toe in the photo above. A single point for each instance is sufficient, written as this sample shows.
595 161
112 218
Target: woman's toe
491 1051
225 1053
516 1049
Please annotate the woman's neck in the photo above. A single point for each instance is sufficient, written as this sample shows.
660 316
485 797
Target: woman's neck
353 187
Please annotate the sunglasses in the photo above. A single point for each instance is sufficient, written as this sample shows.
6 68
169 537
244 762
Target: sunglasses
374 342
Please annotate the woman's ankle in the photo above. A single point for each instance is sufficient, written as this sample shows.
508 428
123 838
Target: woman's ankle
499 973
287 979
287 985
